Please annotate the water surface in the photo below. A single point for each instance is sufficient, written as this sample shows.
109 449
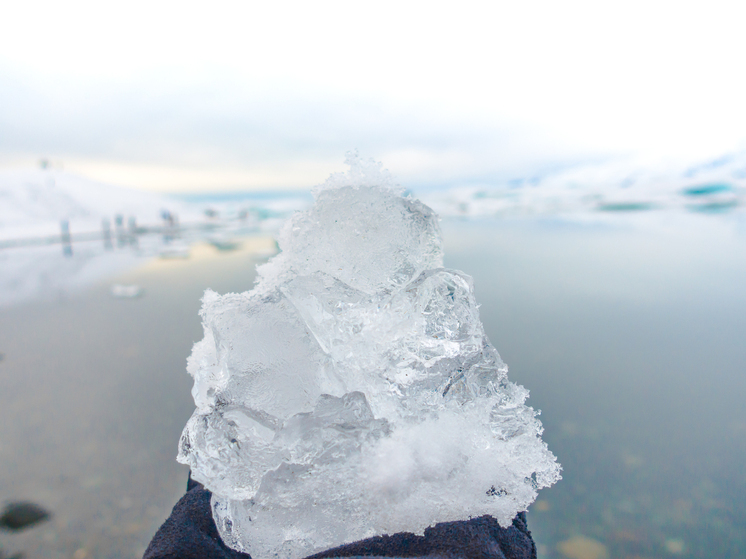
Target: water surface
628 332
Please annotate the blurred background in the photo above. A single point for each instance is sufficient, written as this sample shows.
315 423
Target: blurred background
588 161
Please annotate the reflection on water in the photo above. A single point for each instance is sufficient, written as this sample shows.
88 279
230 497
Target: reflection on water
93 397
58 270
629 338
631 343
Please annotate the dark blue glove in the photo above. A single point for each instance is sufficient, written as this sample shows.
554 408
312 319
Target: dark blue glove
190 533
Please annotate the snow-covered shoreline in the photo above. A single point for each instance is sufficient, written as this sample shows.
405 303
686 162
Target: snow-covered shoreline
613 187
34 202
111 228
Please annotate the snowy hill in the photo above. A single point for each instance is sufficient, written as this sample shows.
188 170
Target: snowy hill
37 260
714 186
34 202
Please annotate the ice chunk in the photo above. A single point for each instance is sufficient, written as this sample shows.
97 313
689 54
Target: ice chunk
121 291
353 391
361 233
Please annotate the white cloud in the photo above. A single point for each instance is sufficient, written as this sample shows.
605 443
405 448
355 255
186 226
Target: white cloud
239 83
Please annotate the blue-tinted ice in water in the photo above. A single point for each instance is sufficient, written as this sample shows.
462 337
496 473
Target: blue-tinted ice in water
353 391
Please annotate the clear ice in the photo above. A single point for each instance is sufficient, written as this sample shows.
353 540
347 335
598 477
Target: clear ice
353 392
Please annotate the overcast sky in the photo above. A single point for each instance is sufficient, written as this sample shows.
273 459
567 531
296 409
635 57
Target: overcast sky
187 96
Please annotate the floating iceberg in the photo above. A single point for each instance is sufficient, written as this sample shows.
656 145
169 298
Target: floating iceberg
353 391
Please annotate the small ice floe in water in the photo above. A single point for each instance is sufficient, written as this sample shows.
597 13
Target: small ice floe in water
353 392
224 244
19 516
711 198
175 252
625 206
121 291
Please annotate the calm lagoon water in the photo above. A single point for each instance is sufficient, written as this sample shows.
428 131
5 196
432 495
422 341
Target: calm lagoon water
629 332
